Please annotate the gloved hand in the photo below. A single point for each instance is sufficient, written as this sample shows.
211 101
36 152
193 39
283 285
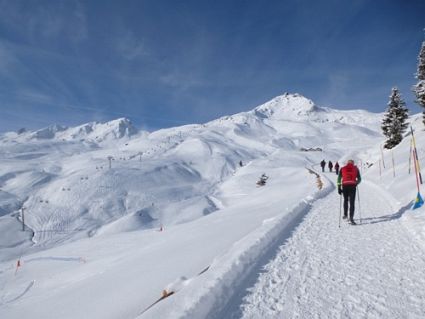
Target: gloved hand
339 190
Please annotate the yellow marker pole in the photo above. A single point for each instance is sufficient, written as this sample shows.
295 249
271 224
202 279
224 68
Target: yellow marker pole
416 159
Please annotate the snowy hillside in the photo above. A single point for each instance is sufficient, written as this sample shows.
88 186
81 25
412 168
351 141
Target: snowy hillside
96 132
122 215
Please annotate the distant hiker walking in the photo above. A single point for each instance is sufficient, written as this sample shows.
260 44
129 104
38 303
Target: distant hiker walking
348 179
336 168
330 165
323 164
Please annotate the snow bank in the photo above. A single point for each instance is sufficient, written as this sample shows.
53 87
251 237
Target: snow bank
394 172
227 273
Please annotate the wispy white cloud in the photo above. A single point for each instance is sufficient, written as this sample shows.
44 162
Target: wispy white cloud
128 45
81 31
338 87
189 59
38 67
33 96
45 20
7 59
182 80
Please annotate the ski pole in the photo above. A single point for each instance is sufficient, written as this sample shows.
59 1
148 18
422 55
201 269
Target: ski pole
358 197
340 203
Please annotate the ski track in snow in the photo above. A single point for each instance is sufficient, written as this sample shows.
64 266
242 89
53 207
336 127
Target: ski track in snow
373 270
27 288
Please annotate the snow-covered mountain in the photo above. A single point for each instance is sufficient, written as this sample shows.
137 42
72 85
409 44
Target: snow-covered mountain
104 201
94 131
297 108
62 176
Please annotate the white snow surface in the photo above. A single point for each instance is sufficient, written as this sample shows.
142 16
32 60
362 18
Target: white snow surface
115 218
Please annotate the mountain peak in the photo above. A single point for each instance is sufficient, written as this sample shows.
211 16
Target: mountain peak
122 127
115 129
48 132
286 106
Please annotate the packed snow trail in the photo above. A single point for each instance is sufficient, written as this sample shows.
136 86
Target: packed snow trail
373 270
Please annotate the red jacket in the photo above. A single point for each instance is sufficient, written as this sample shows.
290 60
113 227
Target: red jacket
349 175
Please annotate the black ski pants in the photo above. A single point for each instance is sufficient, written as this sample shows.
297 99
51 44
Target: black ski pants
349 193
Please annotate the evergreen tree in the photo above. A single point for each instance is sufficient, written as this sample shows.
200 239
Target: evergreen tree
419 88
394 122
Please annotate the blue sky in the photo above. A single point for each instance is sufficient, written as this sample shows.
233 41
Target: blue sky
167 63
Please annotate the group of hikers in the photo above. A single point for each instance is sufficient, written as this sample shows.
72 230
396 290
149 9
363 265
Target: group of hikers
330 166
348 179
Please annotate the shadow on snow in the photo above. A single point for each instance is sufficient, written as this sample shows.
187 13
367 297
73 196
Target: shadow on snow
387 218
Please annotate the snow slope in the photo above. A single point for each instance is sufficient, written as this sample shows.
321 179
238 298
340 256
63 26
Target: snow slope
373 270
176 212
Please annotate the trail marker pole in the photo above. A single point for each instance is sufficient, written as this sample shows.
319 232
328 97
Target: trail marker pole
110 161
23 218
392 158
382 155
410 155
416 158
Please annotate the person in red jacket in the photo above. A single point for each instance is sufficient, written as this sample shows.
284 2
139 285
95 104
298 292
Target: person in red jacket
348 179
